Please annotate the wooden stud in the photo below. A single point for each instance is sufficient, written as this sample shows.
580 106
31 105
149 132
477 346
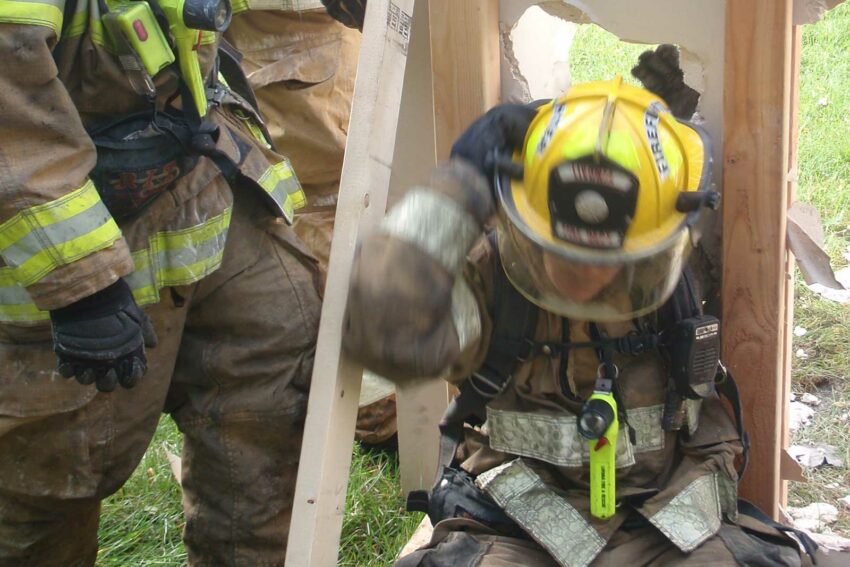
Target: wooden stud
462 84
756 151
465 64
419 404
791 469
332 410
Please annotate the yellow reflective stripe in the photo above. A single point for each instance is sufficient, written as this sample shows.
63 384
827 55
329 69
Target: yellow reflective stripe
39 239
280 183
47 13
46 261
46 214
239 6
78 20
191 236
178 257
173 258
208 37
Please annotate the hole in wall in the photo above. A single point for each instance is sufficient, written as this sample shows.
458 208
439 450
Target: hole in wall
553 45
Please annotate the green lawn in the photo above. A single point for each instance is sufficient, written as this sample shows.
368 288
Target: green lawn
141 524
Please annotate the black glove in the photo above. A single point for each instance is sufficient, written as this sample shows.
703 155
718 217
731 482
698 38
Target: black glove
501 130
659 72
349 12
101 338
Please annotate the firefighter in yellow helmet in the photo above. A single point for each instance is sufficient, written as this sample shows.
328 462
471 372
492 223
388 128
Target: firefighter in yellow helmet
588 429
139 198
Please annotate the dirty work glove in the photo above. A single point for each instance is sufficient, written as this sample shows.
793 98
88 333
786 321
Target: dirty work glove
101 338
349 12
659 72
501 129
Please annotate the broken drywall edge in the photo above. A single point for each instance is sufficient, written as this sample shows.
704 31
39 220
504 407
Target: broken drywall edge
517 89
811 11
697 27
536 54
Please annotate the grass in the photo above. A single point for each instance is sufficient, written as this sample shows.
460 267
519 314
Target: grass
141 524
824 181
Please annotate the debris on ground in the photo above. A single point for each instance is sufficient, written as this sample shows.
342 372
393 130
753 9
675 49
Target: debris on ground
814 517
830 541
812 456
799 331
801 415
845 502
810 399
801 354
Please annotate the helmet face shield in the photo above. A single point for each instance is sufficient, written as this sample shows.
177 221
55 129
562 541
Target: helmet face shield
614 287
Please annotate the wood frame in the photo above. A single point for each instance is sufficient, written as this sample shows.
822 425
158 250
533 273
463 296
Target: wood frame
319 501
755 293
758 118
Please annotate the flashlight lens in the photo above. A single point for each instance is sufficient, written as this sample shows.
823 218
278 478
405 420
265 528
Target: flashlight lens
208 15
596 417
592 425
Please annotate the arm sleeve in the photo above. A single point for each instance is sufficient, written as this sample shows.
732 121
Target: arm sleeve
412 311
57 239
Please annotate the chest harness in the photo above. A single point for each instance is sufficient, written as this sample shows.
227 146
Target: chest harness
141 155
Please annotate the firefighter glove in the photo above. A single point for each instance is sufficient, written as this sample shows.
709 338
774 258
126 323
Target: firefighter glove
659 72
101 338
501 129
349 12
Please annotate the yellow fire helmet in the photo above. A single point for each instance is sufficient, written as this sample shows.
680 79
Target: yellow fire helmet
599 220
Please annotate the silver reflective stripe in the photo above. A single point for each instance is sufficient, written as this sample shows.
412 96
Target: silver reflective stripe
692 516
554 438
543 514
11 293
465 315
435 224
693 409
728 492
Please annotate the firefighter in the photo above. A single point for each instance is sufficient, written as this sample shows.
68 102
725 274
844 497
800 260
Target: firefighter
149 265
583 433
301 61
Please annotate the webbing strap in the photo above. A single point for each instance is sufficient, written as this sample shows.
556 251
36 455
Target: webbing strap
514 319
749 509
729 390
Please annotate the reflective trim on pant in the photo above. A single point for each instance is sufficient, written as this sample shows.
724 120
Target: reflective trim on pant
172 258
178 258
283 187
39 239
693 515
544 515
47 13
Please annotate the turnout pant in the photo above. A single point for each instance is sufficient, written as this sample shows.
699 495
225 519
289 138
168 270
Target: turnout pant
232 368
